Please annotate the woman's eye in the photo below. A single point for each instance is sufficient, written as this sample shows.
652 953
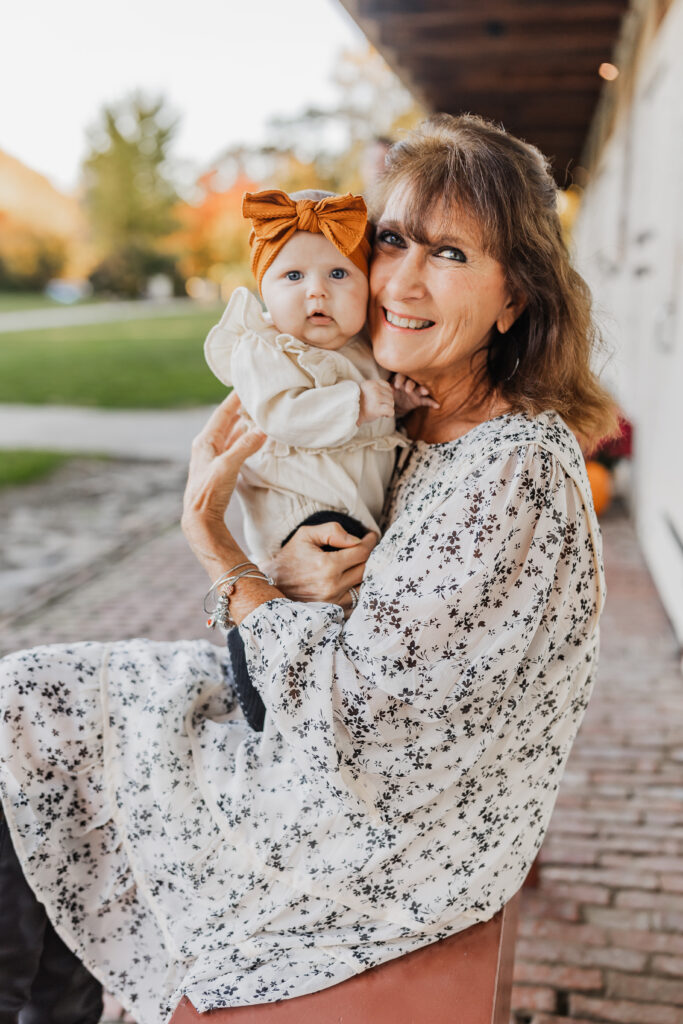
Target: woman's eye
338 273
452 253
389 238
294 275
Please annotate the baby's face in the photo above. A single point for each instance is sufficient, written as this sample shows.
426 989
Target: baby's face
315 293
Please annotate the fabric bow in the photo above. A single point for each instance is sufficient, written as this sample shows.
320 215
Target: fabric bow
275 218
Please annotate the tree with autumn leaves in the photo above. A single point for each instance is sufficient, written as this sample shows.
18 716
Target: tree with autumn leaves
143 227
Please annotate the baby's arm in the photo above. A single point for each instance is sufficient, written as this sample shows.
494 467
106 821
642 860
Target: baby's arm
376 400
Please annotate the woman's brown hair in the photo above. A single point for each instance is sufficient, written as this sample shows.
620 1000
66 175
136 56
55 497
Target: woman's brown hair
544 360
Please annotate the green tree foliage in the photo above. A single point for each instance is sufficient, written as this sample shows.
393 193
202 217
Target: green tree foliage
129 192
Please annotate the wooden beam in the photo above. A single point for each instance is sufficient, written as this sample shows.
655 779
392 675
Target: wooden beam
501 32
495 79
481 46
424 68
531 13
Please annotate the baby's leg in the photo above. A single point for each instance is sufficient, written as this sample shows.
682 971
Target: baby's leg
252 706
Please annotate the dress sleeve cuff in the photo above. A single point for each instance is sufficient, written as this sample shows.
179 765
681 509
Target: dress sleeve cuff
280 631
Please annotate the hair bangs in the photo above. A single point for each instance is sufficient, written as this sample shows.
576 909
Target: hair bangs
444 185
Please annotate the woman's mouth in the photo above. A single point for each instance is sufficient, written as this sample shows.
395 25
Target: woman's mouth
406 322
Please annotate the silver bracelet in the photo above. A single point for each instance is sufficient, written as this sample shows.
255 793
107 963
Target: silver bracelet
354 597
220 614
223 579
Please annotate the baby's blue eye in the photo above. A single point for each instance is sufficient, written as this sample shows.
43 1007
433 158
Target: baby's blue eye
294 275
338 273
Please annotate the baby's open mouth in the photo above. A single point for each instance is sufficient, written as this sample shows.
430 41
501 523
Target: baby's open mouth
320 317
405 321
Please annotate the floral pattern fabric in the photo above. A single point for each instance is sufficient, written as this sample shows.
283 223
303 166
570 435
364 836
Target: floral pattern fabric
406 773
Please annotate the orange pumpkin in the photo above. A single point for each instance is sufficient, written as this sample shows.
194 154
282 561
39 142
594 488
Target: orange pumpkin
600 479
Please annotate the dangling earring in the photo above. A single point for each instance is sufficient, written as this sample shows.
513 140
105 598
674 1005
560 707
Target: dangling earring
514 370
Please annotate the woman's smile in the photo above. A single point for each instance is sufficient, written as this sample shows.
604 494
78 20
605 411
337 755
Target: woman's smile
403 322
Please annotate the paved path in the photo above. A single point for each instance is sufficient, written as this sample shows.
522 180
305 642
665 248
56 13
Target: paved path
66 529
601 937
98 312
126 433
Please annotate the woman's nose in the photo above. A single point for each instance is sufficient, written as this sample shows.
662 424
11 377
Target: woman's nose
406 279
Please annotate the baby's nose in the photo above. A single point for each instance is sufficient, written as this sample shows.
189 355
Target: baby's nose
316 285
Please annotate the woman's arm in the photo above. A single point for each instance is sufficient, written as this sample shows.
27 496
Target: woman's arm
465 597
302 570
218 452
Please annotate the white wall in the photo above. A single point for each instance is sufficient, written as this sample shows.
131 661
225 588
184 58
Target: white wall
629 247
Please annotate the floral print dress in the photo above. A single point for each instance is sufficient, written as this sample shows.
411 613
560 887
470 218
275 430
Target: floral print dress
406 773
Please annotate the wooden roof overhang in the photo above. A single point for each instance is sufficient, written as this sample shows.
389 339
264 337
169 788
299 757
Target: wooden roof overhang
530 64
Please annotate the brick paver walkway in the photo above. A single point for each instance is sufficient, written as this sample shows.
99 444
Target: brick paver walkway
601 937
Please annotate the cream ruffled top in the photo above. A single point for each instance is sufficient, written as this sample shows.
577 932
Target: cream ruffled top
302 397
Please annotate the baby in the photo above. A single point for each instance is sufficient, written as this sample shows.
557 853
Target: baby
304 372
305 375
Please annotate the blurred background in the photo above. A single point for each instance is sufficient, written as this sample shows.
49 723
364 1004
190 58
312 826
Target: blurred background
126 147
128 135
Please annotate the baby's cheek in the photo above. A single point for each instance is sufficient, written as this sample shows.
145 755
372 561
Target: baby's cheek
358 310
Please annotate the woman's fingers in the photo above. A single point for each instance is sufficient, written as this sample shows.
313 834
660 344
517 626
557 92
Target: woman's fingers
331 534
218 452
222 422
354 554
353 577
244 445
218 481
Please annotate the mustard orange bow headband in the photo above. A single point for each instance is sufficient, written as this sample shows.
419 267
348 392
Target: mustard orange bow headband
275 218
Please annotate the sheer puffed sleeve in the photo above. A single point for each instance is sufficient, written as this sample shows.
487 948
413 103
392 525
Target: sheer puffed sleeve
462 608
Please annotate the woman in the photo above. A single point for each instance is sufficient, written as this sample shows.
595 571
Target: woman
412 753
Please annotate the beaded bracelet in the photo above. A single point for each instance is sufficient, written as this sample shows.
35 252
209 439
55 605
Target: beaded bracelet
219 615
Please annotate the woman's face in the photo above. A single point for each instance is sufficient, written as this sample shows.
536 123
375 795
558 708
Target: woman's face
432 306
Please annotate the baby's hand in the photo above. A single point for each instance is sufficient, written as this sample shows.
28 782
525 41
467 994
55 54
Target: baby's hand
409 395
376 400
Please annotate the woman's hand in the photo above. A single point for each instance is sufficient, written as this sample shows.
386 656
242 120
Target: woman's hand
218 452
304 572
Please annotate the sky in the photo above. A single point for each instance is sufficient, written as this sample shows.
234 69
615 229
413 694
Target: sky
225 66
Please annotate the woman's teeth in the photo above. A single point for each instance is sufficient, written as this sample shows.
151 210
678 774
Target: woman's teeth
404 321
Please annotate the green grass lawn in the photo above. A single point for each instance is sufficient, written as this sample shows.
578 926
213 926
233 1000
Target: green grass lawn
154 363
20 467
15 301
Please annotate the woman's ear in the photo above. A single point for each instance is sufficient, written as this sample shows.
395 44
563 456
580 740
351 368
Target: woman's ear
513 308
